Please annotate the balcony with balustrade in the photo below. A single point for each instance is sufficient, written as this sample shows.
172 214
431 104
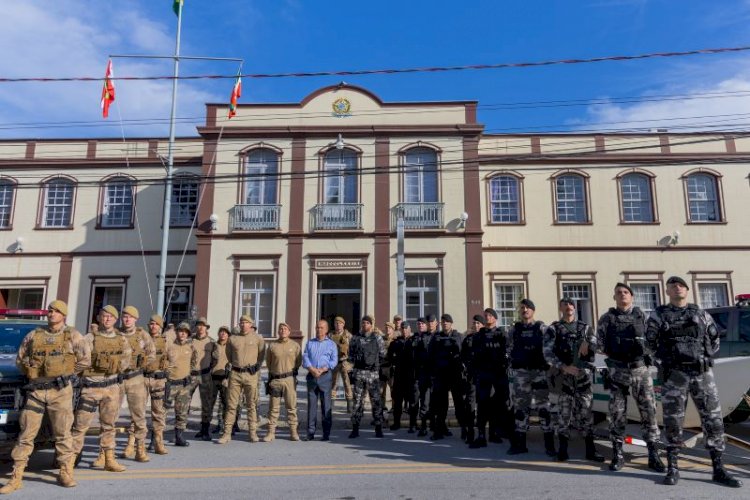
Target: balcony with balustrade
419 215
255 218
336 217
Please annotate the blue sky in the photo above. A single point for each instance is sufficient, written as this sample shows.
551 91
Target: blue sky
74 37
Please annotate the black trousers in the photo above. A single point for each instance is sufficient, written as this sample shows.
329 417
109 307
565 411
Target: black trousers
493 404
441 387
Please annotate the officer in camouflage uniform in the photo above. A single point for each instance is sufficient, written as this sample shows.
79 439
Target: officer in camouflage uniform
569 346
525 345
366 352
220 378
206 358
110 357
181 357
283 359
342 338
49 356
622 337
446 372
685 339
403 376
155 377
470 390
133 386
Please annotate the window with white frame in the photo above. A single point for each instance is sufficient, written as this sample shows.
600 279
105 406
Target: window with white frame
420 175
570 190
340 181
505 201
261 169
106 292
713 295
703 198
507 298
117 205
256 300
637 200
184 201
582 296
7 191
646 296
422 295
57 210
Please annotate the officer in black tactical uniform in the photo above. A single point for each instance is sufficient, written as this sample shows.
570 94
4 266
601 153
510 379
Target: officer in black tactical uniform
490 367
398 355
470 390
422 386
684 338
444 361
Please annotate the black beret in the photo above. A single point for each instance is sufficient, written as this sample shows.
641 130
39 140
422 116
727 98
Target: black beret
479 318
368 318
431 318
491 311
421 320
623 285
677 279
528 303
446 317
567 300
405 325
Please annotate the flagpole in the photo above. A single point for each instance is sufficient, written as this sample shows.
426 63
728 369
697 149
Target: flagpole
168 182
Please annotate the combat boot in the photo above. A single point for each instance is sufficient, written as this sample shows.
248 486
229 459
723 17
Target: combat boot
203 433
378 431
618 459
673 471
549 444
721 475
422 429
253 435
591 453
518 444
654 462
16 480
562 450
412 424
469 435
110 463
349 406
65 477
293 434
225 438
129 451
396 425
271 435
99 461
140 452
151 441
355 432
179 439
159 448
479 442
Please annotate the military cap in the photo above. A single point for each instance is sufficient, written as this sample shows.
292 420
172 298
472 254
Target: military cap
59 306
431 318
405 324
368 318
678 280
491 312
478 318
421 320
110 309
397 318
528 303
224 328
446 317
157 319
339 318
623 285
567 300
388 323
246 317
284 324
184 326
202 321
131 310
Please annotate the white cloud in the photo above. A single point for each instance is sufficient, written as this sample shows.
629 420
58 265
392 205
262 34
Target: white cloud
74 38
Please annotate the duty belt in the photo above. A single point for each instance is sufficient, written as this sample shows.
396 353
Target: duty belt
273 376
131 374
252 369
155 375
56 383
103 383
183 381
195 373
219 376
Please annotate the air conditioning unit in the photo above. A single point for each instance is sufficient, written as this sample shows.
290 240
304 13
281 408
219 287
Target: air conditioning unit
179 295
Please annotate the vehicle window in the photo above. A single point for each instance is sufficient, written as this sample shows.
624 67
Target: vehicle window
11 336
722 322
744 323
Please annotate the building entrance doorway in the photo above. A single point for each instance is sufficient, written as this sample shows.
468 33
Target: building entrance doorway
340 295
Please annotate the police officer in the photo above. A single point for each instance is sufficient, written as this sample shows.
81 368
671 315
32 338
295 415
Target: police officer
283 359
621 336
446 372
342 338
110 357
245 352
220 377
470 390
386 376
422 383
685 339
155 377
490 367
49 356
133 385
367 351
525 344
570 346
403 375
181 356
206 358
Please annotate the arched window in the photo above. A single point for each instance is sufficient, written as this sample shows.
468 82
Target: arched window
340 170
117 202
421 175
7 197
262 169
571 203
704 204
58 195
505 199
637 198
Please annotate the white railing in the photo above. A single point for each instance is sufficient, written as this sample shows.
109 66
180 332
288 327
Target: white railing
255 217
419 215
332 216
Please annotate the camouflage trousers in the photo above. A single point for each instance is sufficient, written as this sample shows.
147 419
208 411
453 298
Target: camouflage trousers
181 396
58 403
286 389
576 401
638 383
702 388
204 383
156 389
242 384
342 370
366 382
134 390
528 385
107 401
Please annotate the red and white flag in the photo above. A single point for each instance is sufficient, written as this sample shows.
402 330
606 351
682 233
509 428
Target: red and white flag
108 91
236 93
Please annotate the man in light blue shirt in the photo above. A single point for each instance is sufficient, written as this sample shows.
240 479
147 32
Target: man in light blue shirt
320 358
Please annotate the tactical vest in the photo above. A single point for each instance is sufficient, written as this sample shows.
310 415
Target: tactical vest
527 352
445 354
681 339
106 355
160 362
180 367
49 354
489 351
625 336
368 353
420 343
568 340
138 355
342 343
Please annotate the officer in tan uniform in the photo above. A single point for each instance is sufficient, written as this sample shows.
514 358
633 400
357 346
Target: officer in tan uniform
283 359
206 358
245 352
342 337
181 357
49 356
220 376
110 356
155 377
133 385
